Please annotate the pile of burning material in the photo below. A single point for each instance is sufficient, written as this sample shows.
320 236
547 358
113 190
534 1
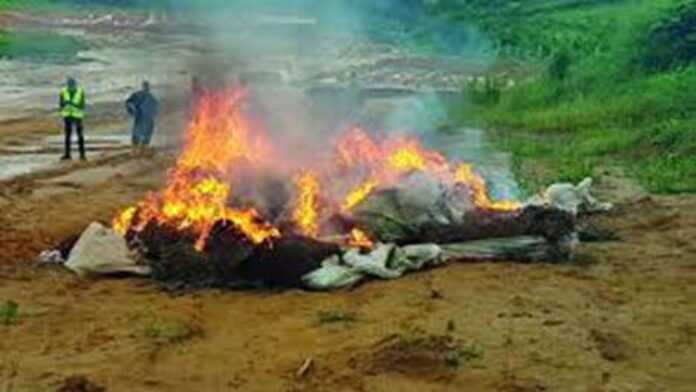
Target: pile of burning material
235 211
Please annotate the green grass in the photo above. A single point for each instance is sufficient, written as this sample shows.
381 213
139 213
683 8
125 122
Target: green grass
9 313
30 45
169 331
617 87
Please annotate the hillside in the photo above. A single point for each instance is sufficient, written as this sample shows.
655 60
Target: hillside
615 85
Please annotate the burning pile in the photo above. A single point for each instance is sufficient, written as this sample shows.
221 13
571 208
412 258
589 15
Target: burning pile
234 209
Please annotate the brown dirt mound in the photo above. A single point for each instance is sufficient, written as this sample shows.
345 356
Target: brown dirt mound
425 357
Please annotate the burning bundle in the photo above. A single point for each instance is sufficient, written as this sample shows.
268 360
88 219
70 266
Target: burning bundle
228 215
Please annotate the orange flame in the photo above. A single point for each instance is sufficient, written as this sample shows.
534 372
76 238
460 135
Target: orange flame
306 213
406 159
221 139
123 221
359 194
196 197
357 147
359 239
479 192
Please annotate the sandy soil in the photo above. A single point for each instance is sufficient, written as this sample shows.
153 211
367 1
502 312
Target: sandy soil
620 318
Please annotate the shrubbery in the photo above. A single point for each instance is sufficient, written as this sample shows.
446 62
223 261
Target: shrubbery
617 85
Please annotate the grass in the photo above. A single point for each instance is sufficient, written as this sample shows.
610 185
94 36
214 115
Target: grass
169 331
610 94
457 356
336 316
453 352
9 313
30 45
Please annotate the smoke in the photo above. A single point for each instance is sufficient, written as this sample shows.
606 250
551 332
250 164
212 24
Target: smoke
315 67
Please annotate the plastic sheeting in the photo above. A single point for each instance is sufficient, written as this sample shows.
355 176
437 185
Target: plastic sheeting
575 199
385 261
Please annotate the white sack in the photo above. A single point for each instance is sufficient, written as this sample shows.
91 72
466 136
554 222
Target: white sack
100 250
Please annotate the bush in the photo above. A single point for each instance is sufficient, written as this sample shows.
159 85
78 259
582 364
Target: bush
671 42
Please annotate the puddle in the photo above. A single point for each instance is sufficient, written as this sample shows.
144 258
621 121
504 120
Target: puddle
18 165
18 160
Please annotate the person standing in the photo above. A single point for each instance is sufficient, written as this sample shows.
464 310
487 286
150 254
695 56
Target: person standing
72 104
143 106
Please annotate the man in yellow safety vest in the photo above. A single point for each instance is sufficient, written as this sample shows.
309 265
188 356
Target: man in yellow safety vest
72 108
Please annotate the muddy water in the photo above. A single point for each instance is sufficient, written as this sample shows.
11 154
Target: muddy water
18 165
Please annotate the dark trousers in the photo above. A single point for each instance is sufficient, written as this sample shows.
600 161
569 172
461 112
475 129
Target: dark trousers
75 123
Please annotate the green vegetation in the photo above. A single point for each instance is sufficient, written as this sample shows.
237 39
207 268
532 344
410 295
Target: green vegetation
39 46
616 87
168 331
9 313
460 354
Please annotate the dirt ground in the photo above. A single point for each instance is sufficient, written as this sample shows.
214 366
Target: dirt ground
622 317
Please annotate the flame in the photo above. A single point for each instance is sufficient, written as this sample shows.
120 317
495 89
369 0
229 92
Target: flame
404 154
406 159
124 220
306 213
220 135
196 196
359 194
359 239
383 162
222 143
479 191
356 147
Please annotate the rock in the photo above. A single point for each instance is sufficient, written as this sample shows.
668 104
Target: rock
99 251
48 257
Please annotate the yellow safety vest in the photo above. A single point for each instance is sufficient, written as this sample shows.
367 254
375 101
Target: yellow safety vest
72 103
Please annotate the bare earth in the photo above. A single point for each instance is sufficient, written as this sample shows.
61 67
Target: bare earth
620 318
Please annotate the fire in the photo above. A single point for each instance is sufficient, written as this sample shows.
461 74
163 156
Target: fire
360 193
306 213
220 135
406 159
356 147
359 239
479 191
123 220
223 145
388 158
196 196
